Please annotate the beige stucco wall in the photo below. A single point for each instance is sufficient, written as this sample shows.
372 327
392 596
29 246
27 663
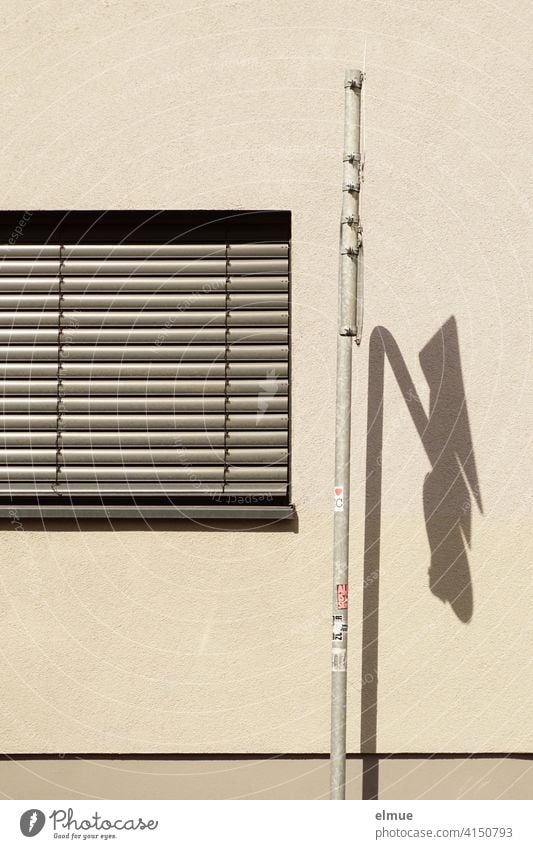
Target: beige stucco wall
132 640
268 778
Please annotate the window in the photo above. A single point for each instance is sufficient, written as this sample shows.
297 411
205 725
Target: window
145 363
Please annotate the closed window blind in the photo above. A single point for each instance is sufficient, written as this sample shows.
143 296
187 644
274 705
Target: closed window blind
145 370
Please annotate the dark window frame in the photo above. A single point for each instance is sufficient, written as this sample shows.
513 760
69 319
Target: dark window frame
169 227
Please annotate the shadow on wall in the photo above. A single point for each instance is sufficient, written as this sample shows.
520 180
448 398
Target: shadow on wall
446 493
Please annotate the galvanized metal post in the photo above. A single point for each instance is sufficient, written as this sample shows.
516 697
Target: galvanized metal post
350 244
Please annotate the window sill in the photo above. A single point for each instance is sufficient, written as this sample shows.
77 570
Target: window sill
272 513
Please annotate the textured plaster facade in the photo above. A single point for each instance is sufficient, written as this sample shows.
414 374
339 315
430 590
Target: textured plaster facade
268 778
182 638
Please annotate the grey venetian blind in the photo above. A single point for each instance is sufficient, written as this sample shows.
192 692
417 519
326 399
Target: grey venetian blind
144 369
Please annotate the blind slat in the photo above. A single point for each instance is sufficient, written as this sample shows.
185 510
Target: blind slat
31 456
29 336
152 423
155 353
163 284
32 438
255 249
151 318
29 252
191 404
139 488
151 388
29 268
148 267
126 369
28 369
171 473
158 337
29 285
28 353
29 318
30 388
156 456
28 301
158 301
158 439
14 404
28 422
28 473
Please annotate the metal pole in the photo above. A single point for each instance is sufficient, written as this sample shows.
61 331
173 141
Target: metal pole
350 243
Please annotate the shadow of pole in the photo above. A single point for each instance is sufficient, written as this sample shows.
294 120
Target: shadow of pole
446 437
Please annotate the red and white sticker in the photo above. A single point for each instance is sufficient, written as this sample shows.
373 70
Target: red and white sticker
338 494
342 596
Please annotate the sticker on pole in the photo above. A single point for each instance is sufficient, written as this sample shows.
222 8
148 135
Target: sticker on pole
340 627
342 596
338 660
338 494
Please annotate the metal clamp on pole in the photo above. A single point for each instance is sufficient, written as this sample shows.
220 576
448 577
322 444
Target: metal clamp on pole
353 79
351 186
349 265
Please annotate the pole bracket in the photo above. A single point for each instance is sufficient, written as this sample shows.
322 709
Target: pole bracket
351 221
355 82
351 187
